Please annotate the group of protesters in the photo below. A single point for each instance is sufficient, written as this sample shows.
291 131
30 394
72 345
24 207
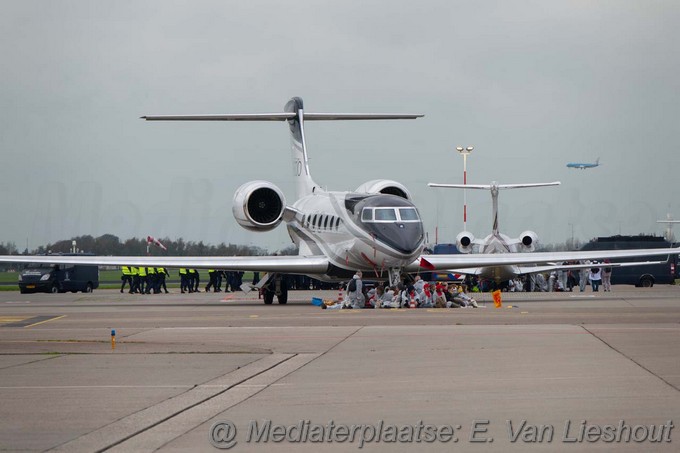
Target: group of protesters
419 294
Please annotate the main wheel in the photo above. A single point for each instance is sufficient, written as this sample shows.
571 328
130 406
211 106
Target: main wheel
283 298
268 297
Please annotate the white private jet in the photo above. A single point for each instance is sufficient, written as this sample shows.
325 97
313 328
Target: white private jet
497 242
376 228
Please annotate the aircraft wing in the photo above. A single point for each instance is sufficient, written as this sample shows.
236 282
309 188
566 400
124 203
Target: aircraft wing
558 267
457 261
315 264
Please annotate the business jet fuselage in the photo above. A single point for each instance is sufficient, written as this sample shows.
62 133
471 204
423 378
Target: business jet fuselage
375 232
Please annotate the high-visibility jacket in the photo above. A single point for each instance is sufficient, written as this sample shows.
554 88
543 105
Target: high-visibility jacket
134 270
126 270
161 270
150 270
142 271
182 271
192 271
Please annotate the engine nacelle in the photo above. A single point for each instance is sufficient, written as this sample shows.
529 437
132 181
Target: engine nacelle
258 206
385 186
527 241
464 242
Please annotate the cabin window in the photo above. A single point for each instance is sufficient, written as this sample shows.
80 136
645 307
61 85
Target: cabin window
367 215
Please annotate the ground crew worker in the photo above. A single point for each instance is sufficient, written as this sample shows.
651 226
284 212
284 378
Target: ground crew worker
143 280
183 280
126 277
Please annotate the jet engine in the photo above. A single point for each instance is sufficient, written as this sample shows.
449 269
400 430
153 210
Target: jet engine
258 206
528 240
385 186
464 241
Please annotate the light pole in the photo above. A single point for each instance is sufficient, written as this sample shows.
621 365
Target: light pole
464 152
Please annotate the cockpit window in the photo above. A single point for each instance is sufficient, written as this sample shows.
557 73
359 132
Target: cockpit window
407 214
385 214
389 215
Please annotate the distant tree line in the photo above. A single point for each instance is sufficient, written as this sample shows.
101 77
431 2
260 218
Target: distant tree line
109 244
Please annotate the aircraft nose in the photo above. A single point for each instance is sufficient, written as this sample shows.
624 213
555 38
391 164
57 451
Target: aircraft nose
404 237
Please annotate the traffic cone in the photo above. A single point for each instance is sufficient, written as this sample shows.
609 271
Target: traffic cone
413 302
341 297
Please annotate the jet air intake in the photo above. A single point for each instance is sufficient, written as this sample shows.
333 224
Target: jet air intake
528 241
385 186
464 241
258 206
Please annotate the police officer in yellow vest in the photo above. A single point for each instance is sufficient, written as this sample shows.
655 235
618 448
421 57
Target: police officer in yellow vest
126 277
212 275
161 273
183 280
143 280
151 280
194 280
135 279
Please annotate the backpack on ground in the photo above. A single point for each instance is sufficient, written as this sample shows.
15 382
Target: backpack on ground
352 285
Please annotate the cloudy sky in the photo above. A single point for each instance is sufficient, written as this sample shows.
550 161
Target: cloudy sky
532 85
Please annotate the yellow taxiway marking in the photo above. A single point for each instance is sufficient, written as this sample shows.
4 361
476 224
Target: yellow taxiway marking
46 320
8 319
254 316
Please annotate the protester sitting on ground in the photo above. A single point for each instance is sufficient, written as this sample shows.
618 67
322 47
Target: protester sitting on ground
373 297
389 298
464 299
428 300
453 299
419 285
439 296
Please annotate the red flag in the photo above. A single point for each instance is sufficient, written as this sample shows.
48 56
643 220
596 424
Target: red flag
425 264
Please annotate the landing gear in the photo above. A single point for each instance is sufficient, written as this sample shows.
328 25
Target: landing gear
276 286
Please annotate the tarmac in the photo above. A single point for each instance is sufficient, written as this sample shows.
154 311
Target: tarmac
209 371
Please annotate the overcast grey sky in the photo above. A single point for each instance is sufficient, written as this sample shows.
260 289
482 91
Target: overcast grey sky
531 84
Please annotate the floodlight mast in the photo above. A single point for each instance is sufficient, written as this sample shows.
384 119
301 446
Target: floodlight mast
464 152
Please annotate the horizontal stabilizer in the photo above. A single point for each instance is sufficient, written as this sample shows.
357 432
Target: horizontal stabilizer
491 186
283 116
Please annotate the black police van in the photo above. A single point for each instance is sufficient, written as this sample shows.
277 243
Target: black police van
58 278
642 275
